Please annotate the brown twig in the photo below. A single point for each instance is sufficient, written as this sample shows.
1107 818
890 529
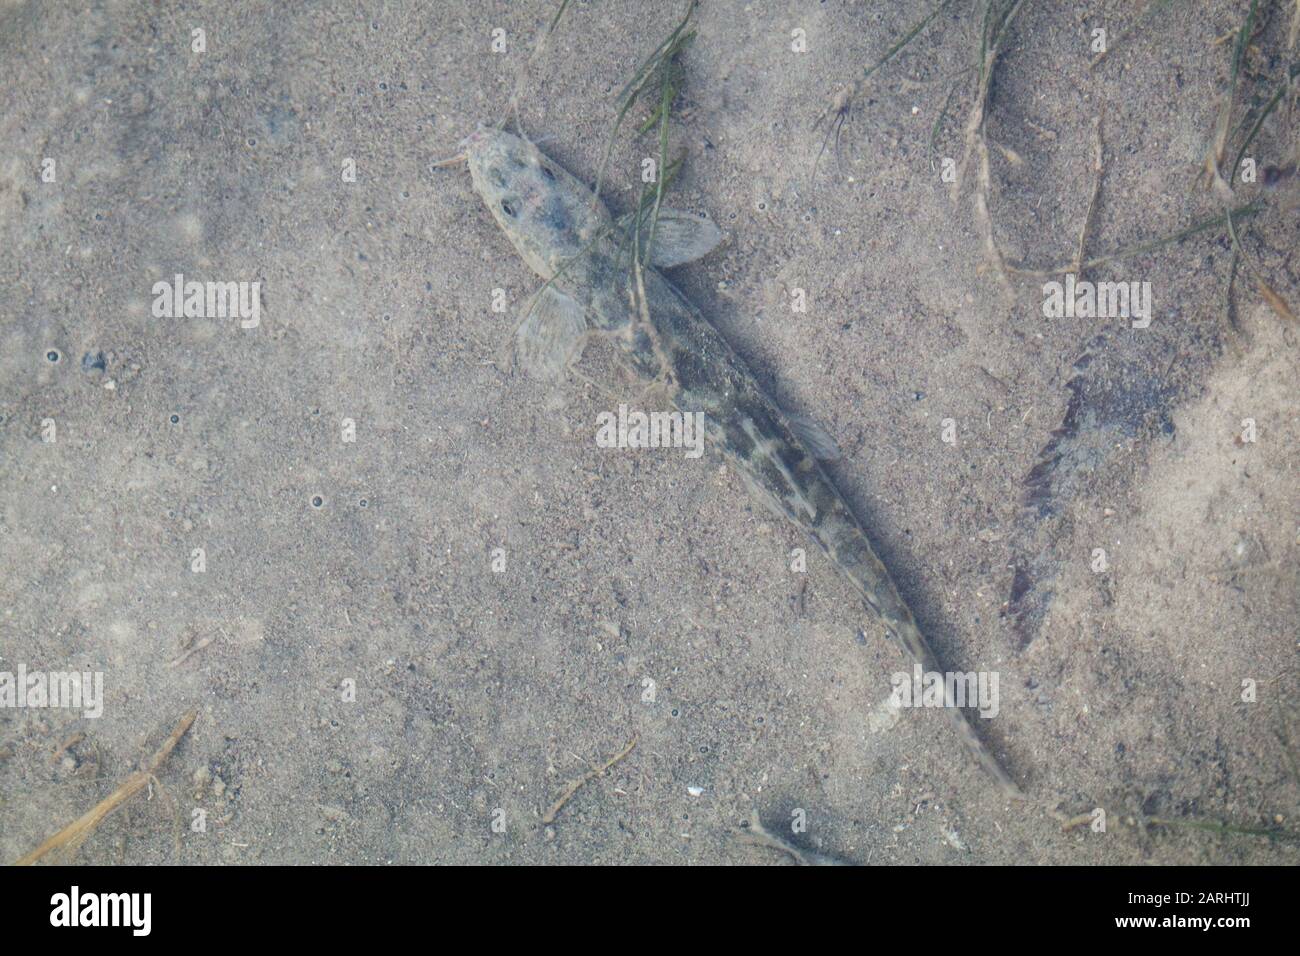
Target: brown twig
191 651
1097 168
75 833
575 785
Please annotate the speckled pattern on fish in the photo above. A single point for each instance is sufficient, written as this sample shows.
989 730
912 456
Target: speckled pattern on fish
568 237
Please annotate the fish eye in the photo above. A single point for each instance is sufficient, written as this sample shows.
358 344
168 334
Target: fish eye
508 208
547 173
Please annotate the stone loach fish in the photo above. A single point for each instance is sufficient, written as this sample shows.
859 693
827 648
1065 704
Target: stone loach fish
568 237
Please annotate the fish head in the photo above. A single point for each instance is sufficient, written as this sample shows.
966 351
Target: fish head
548 214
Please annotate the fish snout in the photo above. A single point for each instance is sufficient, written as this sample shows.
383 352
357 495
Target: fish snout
476 138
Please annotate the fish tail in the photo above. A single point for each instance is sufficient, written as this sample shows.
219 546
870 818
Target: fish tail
844 540
781 472
909 638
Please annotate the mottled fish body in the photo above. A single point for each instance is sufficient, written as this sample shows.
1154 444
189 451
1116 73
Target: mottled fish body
569 238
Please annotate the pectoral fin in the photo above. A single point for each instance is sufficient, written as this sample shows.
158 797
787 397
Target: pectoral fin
552 334
813 437
679 237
